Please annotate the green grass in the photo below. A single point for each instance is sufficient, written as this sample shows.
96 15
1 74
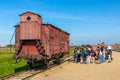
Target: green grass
70 53
117 49
7 63
9 66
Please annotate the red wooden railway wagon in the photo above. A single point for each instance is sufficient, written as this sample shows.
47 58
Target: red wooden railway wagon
36 41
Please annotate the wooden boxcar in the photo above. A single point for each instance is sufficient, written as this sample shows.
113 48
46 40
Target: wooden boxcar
36 41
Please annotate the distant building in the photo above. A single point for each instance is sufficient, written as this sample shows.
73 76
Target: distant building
95 46
99 45
116 46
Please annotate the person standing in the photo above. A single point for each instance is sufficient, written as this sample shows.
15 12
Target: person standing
88 55
109 55
93 56
75 55
98 53
79 55
83 55
106 54
102 54
109 49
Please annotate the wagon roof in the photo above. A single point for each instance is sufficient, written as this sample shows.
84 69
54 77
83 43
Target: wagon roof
30 12
17 25
56 28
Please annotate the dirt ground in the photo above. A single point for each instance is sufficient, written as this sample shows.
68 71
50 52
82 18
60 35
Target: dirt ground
73 71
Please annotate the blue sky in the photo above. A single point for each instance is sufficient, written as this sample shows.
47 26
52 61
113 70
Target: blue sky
87 21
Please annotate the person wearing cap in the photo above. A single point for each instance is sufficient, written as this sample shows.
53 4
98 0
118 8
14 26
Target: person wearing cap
109 52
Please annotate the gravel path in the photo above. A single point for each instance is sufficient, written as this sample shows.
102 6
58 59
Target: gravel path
73 71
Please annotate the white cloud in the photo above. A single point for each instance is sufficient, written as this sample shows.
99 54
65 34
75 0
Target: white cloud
100 19
60 15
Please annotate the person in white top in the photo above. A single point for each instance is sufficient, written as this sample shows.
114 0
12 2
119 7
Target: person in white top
109 52
88 55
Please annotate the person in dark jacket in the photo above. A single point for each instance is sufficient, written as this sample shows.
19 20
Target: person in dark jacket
79 55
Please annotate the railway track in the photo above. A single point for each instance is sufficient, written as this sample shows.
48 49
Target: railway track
26 75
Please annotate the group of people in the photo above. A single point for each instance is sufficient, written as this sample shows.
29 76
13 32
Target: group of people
92 54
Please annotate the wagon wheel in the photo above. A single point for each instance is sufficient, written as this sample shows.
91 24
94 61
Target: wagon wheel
47 64
30 62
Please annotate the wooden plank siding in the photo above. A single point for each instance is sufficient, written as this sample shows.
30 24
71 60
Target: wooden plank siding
54 40
30 30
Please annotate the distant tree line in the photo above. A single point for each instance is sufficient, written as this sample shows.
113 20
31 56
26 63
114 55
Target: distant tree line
10 46
81 46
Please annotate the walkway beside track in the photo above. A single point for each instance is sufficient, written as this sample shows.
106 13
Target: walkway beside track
73 71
